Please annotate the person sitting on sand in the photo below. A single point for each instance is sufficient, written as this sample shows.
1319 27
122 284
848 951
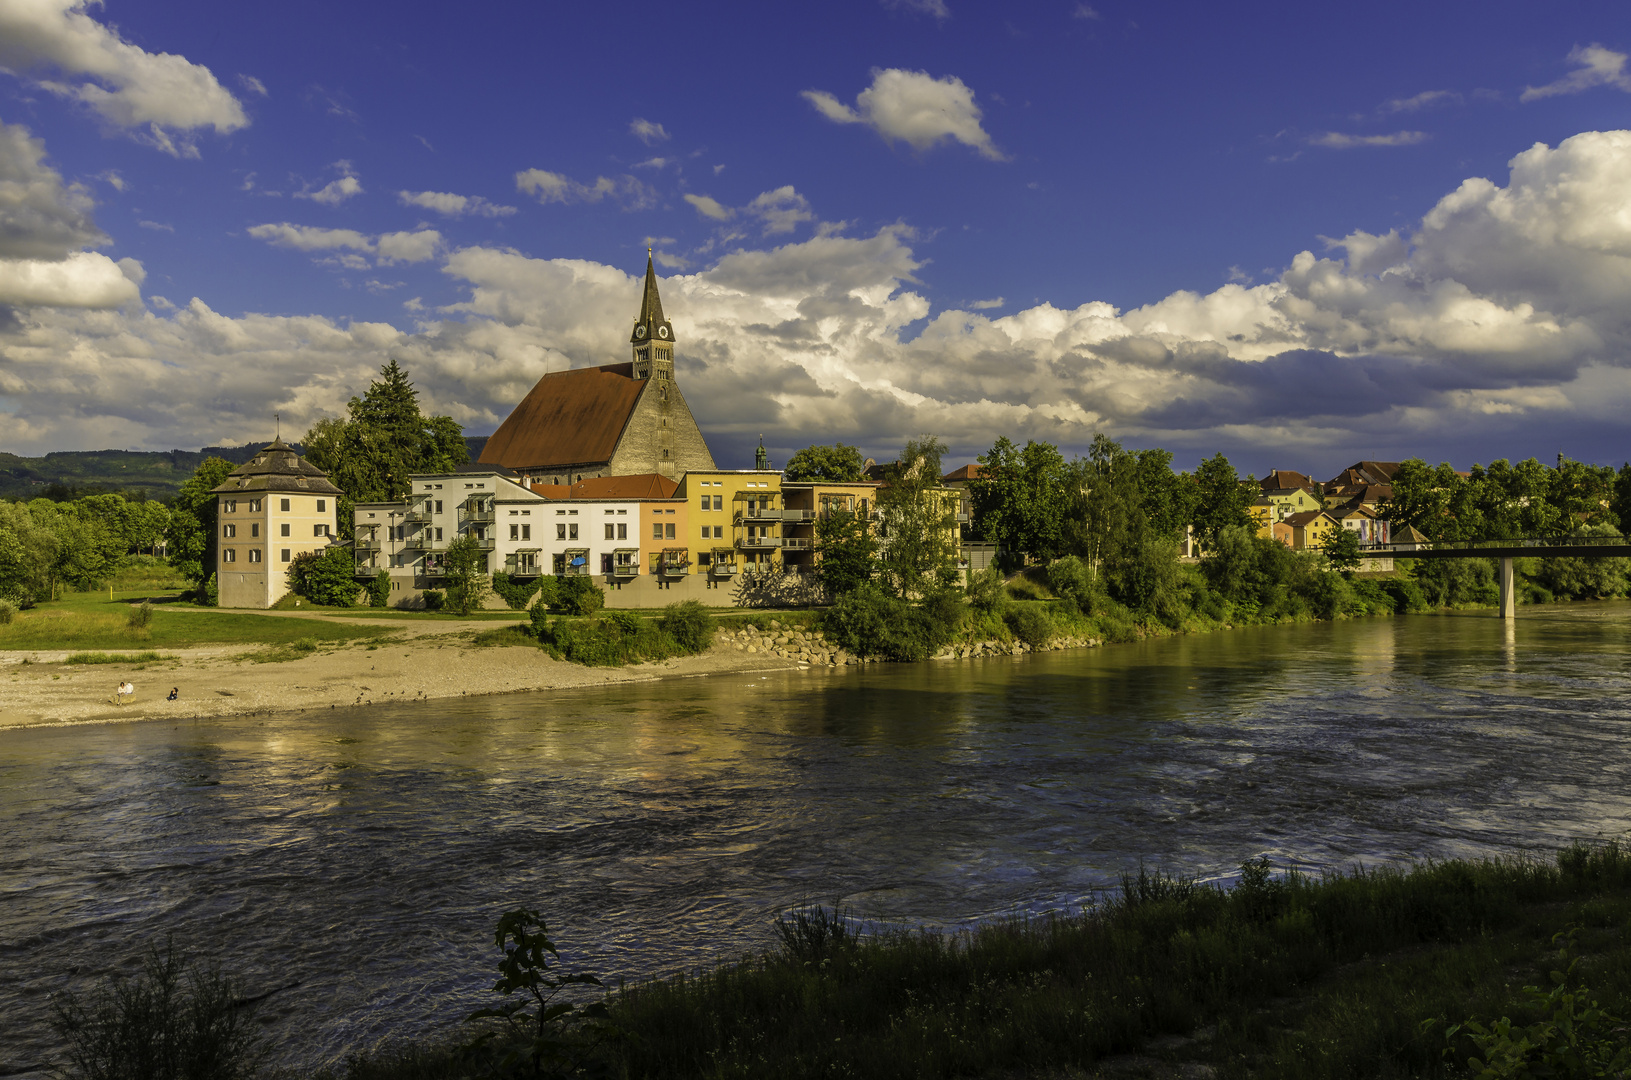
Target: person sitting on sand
175 692
125 690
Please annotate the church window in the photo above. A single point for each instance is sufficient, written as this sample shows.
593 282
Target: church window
665 455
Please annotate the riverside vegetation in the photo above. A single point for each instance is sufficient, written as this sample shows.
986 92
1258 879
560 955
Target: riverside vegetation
1501 967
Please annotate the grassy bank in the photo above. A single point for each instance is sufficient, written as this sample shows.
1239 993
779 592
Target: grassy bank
1363 974
91 621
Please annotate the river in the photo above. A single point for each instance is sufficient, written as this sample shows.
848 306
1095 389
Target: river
366 852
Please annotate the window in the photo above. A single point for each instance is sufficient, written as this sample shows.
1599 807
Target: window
285 505
255 529
705 502
656 530
254 554
513 513
229 506
254 506
229 530
322 505
526 532
668 531
622 530
572 531
665 455
719 502
610 532
285 555
285 525
319 530
560 531
228 555
515 532
719 531
438 506
622 511
438 534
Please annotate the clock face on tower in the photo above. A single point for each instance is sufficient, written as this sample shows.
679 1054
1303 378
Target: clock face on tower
640 331
662 331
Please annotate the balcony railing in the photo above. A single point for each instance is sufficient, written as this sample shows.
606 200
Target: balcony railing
626 570
797 543
486 543
436 570
798 515
756 513
759 541
419 543
367 545
478 516
370 571
722 570
419 517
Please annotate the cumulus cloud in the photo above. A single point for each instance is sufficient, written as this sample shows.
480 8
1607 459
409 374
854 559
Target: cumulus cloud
913 107
40 216
85 279
394 247
1337 140
164 95
1427 99
647 132
310 238
445 202
1504 314
409 246
549 187
1595 66
778 212
334 192
710 207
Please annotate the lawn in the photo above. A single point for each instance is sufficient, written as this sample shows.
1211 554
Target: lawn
88 621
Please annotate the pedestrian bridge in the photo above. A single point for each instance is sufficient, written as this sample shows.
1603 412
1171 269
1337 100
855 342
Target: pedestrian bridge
1523 547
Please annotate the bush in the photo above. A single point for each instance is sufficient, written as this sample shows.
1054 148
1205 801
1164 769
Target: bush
8 611
689 624
1030 624
1070 579
172 1020
869 622
621 637
985 590
327 578
434 599
1406 595
379 591
577 595
140 617
516 594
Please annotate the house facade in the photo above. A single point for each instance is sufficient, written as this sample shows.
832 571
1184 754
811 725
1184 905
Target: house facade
269 511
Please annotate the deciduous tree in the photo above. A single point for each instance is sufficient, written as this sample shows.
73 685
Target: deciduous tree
835 464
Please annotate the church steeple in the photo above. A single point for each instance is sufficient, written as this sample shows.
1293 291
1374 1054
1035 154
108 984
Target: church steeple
653 337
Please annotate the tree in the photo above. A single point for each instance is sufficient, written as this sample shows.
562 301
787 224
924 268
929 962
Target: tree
384 440
1221 500
1621 499
1341 547
326 577
1020 496
27 550
193 525
466 566
919 524
847 549
834 464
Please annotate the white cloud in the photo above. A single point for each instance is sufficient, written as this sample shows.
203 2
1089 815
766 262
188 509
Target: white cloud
781 210
310 238
1086 11
86 279
548 187
156 226
913 107
710 207
162 94
1337 140
334 192
40 216
937 8
647 132
253 85
987 305
1504 311
445 202
409 246
1595 66
1427 99
113 179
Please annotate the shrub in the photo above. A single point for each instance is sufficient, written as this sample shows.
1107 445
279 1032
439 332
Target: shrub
8 611
379 591
434 599
577 595
689 624
1406 595
626 623
517 594
1030 624
1070 579
985 590
172 1020
869 622
327 577
140 617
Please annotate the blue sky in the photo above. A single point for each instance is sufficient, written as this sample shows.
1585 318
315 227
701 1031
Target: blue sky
874 219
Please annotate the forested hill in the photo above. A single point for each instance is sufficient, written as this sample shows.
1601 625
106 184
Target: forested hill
157 472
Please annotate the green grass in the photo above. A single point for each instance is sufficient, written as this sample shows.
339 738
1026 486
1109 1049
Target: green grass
89 621
114 658
1296 977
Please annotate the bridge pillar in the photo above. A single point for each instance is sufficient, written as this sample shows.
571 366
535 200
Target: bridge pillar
1509 593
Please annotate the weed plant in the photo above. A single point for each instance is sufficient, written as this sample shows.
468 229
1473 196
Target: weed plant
617 637
114 658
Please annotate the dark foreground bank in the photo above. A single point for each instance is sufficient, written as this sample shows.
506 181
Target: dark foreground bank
1498 967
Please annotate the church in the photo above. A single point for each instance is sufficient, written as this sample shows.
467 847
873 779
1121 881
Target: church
613 420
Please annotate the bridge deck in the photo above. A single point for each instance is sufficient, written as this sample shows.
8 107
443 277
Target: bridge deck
1517 550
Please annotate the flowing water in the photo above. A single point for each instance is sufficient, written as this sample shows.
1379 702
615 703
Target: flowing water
366 853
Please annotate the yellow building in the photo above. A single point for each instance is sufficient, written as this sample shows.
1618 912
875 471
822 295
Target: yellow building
269 510
734 523
1309 529
804 503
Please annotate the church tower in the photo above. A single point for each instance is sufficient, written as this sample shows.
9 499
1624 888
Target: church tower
653 337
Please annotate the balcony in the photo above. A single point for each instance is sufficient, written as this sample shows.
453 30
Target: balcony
755 513
370 571
962 517
436 570
486 543
477 517
759 541
417 517
798 515
722 570
366 545
420 542
797 543
626 570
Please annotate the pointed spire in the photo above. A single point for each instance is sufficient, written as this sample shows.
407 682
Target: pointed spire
651 325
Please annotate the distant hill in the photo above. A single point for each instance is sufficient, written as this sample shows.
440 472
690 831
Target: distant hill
159 473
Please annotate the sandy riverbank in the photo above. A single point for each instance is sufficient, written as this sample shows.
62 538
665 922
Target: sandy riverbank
423 663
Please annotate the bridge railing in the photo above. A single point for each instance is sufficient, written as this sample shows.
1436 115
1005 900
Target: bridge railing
1543 545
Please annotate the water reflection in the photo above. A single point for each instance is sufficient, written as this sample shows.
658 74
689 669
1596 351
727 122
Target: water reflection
661 826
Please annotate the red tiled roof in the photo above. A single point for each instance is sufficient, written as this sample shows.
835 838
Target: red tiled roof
637 486
1285 478
569 418
967 472
1304 518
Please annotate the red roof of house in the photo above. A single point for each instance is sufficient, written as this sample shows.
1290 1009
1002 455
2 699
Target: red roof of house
967 472
1305 517
1279 479
569 418
636 486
